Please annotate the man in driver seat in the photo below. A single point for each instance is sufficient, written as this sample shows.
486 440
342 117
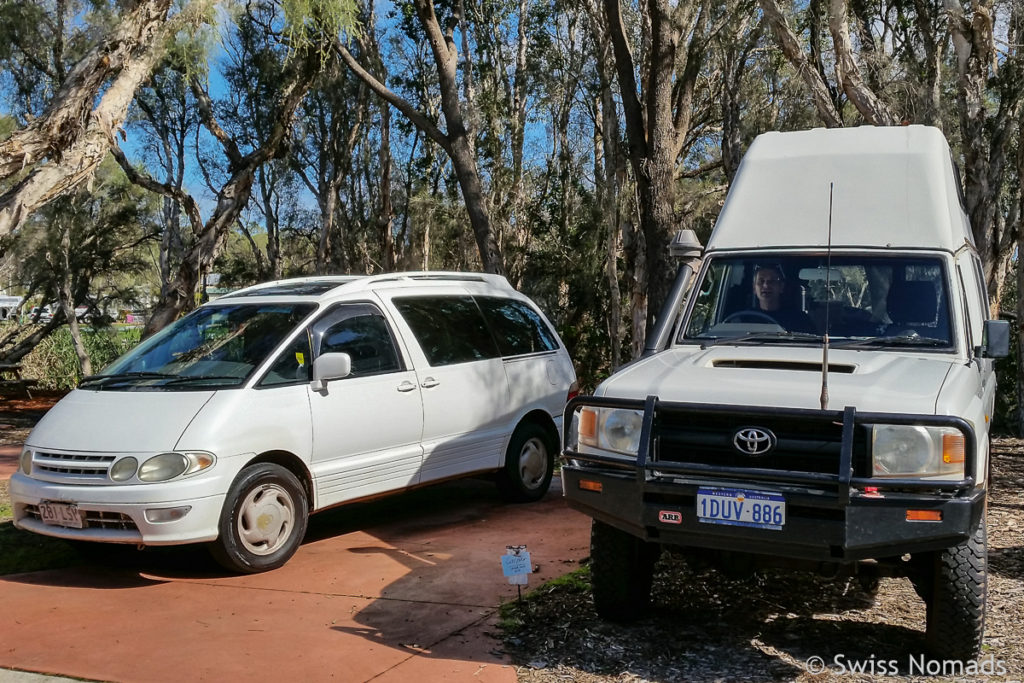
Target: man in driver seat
769 288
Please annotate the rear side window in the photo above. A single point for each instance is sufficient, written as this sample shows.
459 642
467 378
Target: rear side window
517 328
449 329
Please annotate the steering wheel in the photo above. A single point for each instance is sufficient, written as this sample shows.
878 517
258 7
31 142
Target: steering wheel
749 317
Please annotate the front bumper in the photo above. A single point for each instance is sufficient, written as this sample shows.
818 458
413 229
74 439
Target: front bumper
830 517
117 514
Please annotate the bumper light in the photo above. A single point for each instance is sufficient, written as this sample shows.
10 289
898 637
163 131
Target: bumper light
163 515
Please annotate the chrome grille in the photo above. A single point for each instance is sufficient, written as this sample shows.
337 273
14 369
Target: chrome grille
80 467
95 519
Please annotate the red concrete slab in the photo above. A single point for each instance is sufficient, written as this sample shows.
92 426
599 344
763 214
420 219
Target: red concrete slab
395 590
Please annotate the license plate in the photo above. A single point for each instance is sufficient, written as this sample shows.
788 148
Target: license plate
60 514
740 507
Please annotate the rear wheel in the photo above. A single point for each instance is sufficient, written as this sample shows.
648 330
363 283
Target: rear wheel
621 572
955 598
263 520
529 463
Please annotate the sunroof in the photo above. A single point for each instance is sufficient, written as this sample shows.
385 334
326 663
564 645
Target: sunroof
305 288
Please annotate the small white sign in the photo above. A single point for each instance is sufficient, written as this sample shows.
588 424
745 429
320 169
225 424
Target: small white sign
515 564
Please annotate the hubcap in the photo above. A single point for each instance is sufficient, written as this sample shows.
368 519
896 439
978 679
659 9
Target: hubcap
266 519
533 463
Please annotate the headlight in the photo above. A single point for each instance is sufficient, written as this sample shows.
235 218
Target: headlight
124 469
26 462
170 465
917 451
611 429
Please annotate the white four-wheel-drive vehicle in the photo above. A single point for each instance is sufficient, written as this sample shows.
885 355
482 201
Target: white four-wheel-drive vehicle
820 399
240 419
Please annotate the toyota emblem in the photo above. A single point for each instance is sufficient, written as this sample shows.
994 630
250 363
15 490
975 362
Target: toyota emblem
753 441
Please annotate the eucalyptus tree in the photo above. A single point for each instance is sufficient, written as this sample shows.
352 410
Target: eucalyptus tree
457 140
85 248
892 62
306 36
167 118
332 120
85 102
661 56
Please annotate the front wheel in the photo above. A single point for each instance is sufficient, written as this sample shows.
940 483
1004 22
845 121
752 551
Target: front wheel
621 572
263 520
529 463
956 596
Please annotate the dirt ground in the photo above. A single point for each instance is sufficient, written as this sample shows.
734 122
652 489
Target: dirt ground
771 627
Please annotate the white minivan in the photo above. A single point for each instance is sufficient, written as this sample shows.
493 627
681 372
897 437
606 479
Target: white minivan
240 419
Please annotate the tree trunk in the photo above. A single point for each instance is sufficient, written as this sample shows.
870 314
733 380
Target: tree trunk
386 215
235 193
870 106
461 151
67 303
64 146
794 53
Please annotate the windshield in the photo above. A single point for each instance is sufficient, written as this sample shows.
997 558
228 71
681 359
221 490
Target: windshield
212 347
858 300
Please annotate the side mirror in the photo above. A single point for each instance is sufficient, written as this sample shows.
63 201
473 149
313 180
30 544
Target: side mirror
995 339
330 366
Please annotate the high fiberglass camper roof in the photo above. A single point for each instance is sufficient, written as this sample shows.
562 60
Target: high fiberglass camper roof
891 187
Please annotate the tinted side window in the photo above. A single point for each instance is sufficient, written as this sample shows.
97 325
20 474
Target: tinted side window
292 365
517 328
449 329
361 331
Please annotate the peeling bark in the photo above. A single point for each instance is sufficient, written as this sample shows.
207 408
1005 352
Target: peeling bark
870 106
794 53
63 147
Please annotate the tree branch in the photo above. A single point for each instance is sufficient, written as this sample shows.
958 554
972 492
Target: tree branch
399 103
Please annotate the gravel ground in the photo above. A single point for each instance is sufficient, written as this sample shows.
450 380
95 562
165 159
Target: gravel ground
706 627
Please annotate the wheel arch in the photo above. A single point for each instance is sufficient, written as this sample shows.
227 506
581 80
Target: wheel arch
293 464
546 422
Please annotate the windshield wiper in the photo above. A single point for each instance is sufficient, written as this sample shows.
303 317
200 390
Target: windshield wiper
895 340
180 379
123 376
762 337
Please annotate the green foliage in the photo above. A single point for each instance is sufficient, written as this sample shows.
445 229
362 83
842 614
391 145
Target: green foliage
54 365
308 22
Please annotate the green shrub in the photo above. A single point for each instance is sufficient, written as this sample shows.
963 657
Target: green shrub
54 365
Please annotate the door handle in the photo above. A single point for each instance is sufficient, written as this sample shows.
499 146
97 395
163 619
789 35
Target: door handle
406 386
429 383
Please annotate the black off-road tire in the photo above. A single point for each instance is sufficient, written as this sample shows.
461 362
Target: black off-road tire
957 598
263 520
621 572
529 464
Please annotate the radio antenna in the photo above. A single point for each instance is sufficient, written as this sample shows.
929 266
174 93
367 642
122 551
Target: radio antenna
828 308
